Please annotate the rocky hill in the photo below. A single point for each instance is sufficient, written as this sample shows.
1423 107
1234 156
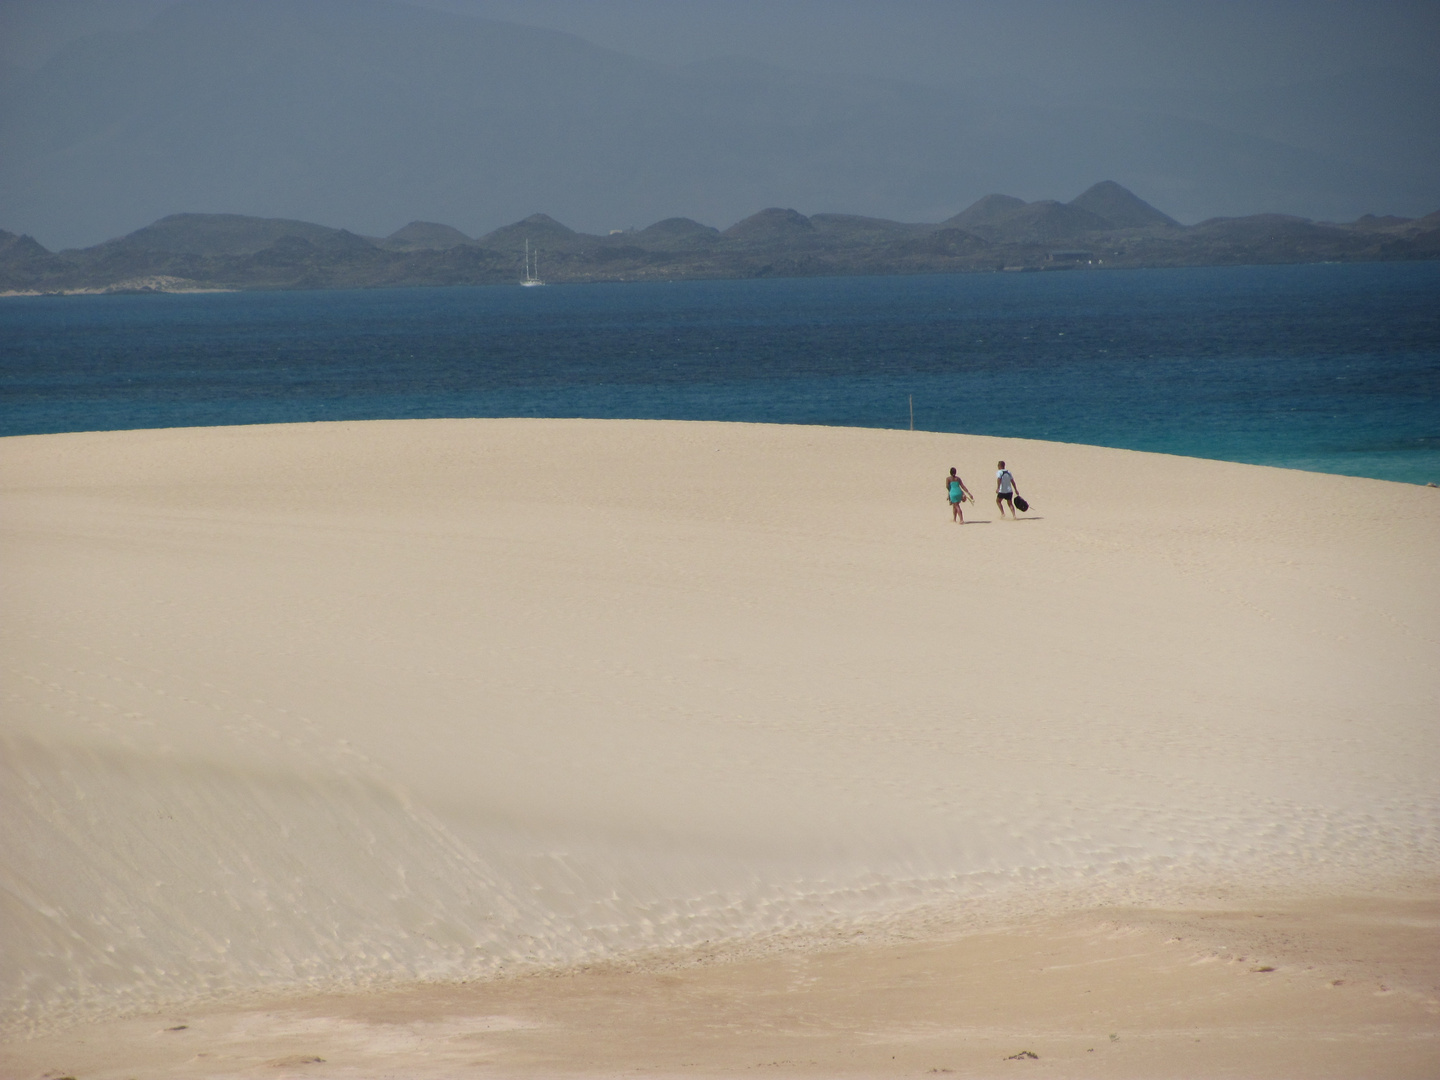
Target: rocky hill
1121 208
424 236
1106 226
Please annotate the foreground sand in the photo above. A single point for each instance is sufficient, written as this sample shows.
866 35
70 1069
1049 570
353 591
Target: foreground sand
1335 988
356 704
1313 989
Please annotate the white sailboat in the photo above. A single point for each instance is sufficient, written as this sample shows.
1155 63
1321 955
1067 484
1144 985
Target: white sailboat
532 271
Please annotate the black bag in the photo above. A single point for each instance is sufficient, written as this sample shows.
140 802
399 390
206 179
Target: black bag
1021 504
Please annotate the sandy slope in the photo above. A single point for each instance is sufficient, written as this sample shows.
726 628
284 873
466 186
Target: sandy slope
352 703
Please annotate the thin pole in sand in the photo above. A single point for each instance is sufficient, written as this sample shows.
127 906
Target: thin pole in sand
912 412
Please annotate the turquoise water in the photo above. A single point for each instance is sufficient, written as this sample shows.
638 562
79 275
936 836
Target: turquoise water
1334 368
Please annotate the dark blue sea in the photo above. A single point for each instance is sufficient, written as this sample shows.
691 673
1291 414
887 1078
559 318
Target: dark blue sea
1334 368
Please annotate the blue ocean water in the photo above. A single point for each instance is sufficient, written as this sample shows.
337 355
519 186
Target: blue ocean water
1334 368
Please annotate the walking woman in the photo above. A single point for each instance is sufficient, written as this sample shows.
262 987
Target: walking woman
958 493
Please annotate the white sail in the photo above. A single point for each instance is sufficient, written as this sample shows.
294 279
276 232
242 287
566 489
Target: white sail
532 273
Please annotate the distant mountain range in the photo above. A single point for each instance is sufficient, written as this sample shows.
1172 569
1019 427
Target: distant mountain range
366 113
1106 226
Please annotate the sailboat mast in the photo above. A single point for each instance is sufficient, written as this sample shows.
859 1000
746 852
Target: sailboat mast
532 267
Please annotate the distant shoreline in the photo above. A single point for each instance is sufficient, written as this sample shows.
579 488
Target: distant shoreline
195 289
121 289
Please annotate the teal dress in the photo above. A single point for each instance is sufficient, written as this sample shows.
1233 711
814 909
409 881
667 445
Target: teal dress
955 493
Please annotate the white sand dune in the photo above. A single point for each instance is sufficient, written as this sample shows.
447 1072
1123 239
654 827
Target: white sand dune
355 703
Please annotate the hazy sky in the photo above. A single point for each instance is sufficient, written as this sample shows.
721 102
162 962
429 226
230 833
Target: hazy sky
1174 44
1326 108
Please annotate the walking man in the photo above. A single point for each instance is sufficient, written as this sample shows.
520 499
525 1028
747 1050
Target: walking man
1005 490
